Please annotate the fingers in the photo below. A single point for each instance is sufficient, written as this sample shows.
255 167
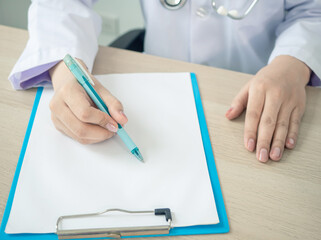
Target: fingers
267 127
238 104
275 105
278 127
74 113
84 110
114 106
294 124
62 128
286 131
84 133
252 118
280 133
272 119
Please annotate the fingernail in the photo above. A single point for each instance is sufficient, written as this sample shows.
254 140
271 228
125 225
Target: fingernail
228 111
263 155
291 141
251 145
276 152
122 113
111 127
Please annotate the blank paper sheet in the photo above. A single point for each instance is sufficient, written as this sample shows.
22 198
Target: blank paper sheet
60 176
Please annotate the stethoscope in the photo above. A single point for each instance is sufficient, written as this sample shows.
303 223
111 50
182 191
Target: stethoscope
234 14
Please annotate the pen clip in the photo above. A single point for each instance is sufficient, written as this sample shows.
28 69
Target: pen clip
84 71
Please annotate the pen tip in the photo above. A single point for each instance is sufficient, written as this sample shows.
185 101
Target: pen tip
140 158
138 155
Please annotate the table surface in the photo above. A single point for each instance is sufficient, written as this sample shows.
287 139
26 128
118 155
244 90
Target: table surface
276 200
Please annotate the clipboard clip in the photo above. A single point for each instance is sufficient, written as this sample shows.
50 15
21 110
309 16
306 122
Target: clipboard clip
114 232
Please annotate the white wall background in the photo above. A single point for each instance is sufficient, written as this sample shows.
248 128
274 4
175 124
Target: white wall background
118 16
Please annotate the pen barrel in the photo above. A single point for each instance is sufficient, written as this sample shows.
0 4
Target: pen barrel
126 139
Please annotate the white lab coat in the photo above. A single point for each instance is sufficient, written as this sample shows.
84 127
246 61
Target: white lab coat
274 27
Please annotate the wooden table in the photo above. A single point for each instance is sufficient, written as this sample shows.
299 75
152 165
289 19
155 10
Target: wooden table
276 200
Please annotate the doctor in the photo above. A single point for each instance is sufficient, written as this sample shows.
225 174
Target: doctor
279 41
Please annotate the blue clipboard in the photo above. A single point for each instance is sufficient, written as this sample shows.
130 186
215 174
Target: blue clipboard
221 227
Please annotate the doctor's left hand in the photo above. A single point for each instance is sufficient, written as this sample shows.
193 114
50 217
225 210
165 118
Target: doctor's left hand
275 102
75 114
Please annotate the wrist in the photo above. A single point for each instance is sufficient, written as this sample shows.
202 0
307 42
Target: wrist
298 68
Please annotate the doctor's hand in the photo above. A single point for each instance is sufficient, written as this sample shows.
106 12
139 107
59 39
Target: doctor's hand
275 101
75 114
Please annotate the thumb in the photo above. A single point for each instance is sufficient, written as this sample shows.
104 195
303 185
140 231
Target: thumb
238 104
114 106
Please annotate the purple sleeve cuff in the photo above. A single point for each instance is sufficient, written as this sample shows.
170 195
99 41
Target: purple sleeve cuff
314 80
34 77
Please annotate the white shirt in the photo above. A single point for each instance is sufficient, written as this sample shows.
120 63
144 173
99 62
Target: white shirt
272 28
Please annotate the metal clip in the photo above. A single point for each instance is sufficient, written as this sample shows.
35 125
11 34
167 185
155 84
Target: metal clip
114 232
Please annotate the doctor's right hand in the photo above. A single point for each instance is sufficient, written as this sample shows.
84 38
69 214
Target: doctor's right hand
74 113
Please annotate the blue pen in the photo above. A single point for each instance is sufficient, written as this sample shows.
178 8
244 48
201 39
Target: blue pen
86 82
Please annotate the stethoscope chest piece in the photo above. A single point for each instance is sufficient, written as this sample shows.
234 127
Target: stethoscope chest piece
173 4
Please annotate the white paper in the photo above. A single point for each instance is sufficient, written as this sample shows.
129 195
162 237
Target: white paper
60 176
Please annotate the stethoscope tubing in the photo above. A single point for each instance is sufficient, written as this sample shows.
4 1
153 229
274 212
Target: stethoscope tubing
177 4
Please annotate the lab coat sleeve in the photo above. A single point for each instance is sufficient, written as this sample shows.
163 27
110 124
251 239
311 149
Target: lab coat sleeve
56 27
299 35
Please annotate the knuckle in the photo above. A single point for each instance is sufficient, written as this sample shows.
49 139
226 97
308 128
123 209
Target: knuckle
295 122
282 125
103 121
84 115
114 103
268 121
